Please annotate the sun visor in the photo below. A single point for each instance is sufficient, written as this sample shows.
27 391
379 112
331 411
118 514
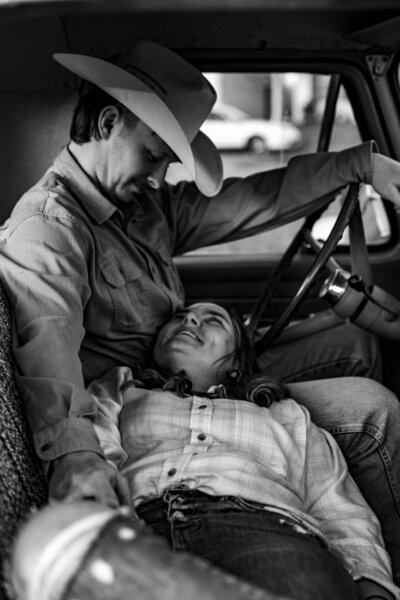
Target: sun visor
385 34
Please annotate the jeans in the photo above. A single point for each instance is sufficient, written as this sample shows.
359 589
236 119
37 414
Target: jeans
127 560
364 418
362 415
255 545
342 350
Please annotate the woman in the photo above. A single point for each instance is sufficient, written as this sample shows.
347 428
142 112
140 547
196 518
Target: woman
203 467
223 465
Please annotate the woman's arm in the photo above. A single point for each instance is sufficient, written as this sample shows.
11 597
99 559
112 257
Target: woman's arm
106 391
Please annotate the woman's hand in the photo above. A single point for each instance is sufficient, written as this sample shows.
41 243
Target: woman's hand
88 476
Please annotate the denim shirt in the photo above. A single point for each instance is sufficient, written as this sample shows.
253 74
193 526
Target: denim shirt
90 285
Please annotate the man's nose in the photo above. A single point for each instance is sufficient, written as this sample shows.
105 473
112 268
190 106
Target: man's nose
192 319
156 178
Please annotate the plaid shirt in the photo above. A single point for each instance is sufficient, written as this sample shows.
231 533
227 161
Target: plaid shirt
274 455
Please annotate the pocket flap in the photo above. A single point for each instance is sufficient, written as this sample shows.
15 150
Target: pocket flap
118 272
112 274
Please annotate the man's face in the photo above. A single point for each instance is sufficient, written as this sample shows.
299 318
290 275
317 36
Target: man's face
195 339
136 159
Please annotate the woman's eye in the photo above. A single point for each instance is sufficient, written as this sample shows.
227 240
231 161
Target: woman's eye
215 320
178 317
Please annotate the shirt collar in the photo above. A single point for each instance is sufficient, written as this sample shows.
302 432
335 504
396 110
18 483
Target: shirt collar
80 184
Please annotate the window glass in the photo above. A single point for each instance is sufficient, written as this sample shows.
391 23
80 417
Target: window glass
258 123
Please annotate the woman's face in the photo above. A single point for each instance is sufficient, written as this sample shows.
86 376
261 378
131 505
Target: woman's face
194 340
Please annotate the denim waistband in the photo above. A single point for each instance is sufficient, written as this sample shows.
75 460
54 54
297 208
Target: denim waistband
183 499
184 496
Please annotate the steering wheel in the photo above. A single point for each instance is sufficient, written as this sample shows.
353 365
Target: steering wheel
350 209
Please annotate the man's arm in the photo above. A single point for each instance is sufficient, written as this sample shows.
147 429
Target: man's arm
247 206
43 265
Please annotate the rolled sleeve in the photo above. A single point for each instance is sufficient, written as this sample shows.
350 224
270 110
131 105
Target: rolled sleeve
71 434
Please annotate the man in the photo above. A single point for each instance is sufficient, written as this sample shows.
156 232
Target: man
86 256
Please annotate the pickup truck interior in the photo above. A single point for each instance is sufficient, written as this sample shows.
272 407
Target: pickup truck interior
296 76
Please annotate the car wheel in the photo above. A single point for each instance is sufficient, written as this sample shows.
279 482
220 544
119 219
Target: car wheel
257 145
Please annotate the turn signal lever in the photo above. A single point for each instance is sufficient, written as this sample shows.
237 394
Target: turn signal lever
369 307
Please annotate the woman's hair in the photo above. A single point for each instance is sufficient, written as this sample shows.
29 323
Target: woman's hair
243 382
84 124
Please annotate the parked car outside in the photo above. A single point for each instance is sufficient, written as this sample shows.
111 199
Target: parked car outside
233 129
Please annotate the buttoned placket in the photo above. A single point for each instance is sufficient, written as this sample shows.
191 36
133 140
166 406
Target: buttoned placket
133 217
200 441
200 425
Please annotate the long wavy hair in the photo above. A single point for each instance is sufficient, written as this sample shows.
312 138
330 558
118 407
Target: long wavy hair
242 382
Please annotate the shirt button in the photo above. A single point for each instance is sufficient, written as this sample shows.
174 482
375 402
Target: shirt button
201 437
46 446
171 472
202 406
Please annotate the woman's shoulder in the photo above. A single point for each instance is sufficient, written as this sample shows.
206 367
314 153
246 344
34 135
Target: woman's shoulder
288 410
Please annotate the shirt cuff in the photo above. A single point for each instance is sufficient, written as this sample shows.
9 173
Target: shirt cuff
68 435
357 163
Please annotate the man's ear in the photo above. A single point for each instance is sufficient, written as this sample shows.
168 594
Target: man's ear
107 120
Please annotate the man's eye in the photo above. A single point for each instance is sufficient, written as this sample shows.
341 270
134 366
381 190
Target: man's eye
151 157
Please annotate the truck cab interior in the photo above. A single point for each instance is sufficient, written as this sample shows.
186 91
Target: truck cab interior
292 77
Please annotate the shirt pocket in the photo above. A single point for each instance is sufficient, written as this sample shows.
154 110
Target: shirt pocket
128 288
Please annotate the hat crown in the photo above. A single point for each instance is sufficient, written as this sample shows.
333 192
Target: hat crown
181 87
168 94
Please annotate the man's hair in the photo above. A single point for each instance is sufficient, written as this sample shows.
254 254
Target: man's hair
84 125
243 382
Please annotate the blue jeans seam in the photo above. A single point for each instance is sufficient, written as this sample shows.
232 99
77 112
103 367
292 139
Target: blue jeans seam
304 372
357 428
383 453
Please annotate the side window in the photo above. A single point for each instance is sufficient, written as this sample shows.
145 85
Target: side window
258 123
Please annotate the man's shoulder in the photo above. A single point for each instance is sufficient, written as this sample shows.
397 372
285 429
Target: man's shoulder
49 197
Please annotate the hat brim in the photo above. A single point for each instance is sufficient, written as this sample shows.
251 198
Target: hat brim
200 157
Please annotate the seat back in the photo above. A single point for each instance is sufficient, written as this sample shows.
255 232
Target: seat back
22 484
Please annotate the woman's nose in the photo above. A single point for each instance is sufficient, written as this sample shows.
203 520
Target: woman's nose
192 319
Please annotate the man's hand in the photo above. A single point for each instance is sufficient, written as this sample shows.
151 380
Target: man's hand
386 178
87 476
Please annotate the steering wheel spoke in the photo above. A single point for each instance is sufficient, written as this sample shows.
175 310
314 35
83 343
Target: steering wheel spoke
323 259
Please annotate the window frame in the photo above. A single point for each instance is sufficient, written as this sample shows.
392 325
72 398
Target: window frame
358 83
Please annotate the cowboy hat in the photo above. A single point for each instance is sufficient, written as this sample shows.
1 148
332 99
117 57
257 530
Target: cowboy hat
168 94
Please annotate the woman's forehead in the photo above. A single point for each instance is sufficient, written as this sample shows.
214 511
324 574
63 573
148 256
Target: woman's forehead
205 307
